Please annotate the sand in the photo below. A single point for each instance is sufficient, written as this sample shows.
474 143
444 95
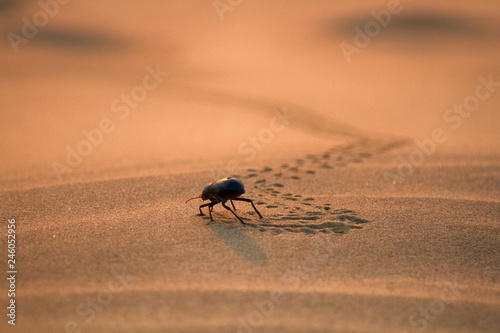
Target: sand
380 211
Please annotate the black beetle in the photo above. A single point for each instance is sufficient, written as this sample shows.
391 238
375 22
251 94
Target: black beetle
221 191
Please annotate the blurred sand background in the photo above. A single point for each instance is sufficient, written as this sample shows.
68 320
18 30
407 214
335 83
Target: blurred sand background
345 246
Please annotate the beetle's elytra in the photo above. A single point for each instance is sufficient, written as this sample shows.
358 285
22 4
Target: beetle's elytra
221 191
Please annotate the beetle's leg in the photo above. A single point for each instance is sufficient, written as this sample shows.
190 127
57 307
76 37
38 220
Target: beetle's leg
229 209
232 204
210 207
251 201
204 205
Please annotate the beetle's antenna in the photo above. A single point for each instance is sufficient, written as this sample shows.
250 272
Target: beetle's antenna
198 197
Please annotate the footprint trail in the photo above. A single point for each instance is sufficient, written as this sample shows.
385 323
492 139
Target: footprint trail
287 212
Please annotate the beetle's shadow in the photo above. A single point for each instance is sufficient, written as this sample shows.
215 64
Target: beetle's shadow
239 242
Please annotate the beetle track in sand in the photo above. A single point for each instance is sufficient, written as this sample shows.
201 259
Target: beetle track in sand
308 216
304 210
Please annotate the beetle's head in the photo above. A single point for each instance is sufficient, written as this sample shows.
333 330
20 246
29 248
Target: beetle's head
203 196
206 193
